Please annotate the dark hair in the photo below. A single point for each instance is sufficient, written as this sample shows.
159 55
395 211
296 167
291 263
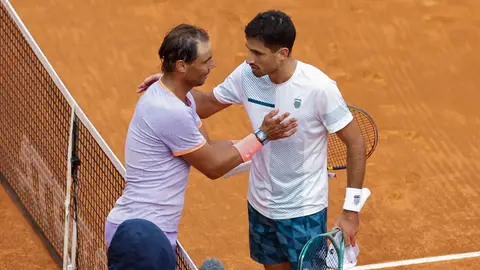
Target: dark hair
274 28
180 44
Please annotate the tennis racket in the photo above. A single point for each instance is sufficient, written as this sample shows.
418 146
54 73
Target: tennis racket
324 251
327 250
337 151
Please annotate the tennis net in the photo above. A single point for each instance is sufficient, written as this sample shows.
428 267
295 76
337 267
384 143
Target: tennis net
51 156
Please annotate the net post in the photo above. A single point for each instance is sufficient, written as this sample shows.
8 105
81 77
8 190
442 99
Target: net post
74 246
74 165
69 185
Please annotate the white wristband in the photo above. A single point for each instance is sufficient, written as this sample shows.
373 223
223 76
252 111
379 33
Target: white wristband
353 198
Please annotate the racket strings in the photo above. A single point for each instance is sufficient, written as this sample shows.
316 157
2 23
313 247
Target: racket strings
367 129
337 151
317 256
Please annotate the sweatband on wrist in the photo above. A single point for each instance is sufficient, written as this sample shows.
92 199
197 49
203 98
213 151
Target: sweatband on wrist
353 197
248 146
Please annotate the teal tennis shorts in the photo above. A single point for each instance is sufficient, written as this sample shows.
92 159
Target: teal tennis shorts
276 241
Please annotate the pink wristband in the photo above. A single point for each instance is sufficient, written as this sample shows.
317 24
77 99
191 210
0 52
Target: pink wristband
248 147
234 141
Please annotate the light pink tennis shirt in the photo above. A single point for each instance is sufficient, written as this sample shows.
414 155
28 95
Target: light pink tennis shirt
162 129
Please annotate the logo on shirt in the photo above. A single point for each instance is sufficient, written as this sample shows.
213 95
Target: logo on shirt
297 103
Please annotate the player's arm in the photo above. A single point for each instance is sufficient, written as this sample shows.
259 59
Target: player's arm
229 92
356 156
207 104
204 132
216 159
349 220
337 118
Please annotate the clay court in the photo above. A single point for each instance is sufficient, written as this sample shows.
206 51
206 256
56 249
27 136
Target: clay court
412 65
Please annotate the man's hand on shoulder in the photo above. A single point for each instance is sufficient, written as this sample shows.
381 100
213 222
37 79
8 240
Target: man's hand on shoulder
148 81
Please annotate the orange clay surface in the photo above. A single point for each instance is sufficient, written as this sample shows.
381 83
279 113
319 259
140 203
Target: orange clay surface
412 64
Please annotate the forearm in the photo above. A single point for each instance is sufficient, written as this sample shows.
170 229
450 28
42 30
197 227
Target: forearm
224 159
223 143
356 161
217 158
215 164
224 156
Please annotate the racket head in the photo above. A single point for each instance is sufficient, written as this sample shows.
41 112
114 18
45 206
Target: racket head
323 252
337 151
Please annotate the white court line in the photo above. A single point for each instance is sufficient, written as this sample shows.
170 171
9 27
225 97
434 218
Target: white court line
419 261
